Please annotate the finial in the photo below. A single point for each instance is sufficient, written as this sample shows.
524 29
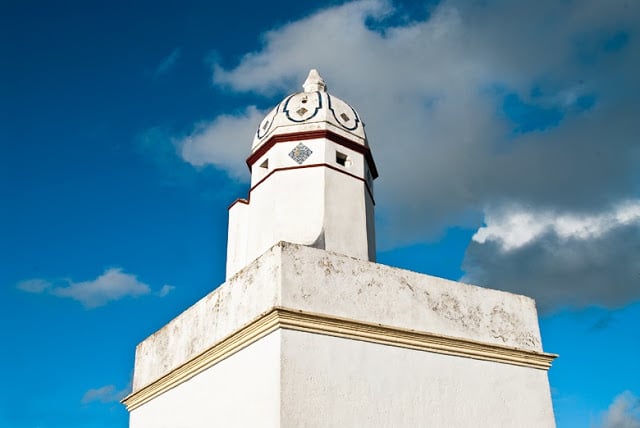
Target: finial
314 82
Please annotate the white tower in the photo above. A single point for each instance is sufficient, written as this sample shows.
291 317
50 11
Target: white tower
324 337
311 181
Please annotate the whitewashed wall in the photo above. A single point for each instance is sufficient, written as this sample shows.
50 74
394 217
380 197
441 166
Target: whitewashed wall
334 382
240 391
294 379
303 278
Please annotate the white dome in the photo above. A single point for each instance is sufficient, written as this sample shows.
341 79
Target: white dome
311 110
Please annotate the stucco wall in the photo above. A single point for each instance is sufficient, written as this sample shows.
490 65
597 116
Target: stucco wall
329 283
238 229
232 305
345 218
294 379
307 279
333 382
240 391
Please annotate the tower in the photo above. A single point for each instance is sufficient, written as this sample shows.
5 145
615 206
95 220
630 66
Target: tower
312 178
308 331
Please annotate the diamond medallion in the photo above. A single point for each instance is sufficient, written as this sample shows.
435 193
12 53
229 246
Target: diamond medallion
300 153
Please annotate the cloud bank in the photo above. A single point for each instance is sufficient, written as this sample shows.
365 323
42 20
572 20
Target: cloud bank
477 108
561 261
112 285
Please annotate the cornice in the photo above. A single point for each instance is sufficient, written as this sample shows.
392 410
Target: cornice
283 318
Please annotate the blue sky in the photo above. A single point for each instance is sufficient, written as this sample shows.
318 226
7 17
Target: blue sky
505 133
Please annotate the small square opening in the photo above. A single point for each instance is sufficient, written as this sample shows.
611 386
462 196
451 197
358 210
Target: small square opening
342 159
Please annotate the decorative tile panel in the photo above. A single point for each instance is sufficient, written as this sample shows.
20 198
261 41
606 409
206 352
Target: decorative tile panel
300 153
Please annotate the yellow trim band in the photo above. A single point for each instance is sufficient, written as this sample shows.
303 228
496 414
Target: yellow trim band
339 327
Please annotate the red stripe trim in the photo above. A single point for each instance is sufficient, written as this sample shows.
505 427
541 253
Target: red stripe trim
310 135
239 201
315 165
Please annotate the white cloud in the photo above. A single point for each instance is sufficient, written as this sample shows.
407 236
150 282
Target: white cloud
165 290
432 94
34 285
624 412
516 227
330 37
104 394
225 142
167 63
112 285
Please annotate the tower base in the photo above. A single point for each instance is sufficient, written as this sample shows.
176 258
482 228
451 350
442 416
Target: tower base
308 338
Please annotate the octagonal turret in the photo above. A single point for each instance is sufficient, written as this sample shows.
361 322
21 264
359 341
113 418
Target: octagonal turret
312 178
